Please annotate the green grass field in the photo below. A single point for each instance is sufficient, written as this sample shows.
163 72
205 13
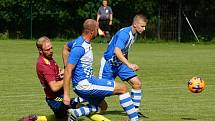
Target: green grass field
165 70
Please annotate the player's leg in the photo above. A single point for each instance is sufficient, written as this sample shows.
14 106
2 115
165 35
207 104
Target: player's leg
105 87
86 110
58 107
107 30
88 90
126 101
75 102
136 94
82 111
127 74
102 27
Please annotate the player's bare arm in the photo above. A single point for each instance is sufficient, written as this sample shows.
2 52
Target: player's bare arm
56 85
66 85
65 54
111 19
122 58
98 16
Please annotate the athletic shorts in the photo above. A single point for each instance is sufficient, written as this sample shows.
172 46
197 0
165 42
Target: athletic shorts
57 106
109 71
104 25
94 90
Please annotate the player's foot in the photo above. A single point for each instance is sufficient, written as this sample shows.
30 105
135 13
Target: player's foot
140 115
71 115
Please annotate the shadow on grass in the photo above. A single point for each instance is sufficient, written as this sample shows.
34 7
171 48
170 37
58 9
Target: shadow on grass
122 113
188 119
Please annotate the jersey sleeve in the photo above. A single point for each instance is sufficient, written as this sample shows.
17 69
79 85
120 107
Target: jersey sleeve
99 11
75 54
121 40
69 44
111 12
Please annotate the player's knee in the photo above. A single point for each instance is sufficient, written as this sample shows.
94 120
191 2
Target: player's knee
136 83
120 88
137 86
124 89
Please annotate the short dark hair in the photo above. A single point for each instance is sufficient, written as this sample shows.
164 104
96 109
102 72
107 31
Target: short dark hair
89 25
140 17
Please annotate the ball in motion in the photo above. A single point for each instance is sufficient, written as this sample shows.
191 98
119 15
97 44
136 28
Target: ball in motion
196 85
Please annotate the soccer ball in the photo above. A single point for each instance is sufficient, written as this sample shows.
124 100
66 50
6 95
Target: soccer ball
196 85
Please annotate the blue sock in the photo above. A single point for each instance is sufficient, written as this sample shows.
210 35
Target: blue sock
85 110
136 98
78 100
127 104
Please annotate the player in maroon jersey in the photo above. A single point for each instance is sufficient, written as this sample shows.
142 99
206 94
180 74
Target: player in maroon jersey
51 78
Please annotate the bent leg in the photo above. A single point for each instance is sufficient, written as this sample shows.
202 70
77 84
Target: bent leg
126 101
135 82
136 94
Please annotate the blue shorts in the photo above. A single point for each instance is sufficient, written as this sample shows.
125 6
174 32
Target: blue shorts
57 106
95 90
109 71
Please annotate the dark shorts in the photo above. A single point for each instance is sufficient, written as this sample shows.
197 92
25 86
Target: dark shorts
58 107
104 25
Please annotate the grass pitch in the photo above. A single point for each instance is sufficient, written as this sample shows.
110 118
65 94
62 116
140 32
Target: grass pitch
165 70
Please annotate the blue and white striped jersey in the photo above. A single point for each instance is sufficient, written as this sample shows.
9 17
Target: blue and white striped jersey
80 55
123 39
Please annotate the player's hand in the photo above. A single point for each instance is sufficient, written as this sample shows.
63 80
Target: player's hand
134 67
61 73
66 100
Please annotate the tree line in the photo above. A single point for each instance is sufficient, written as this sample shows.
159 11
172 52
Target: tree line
64 18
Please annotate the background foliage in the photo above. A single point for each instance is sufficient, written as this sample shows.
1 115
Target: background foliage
63 18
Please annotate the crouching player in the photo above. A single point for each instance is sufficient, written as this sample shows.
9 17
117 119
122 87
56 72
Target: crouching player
51 78
79 72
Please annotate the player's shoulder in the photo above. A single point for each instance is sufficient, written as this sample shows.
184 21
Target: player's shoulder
108 7
100 8
40 60
40 64
43 61
124 31
76 42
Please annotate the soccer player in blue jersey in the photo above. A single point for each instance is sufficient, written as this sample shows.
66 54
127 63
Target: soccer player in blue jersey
79 72
115 60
